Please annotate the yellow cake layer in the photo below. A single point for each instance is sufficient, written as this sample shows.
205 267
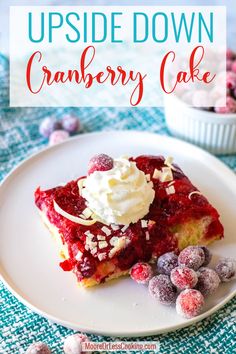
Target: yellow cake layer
189 233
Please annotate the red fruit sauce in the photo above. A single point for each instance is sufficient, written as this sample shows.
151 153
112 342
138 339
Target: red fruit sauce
166 210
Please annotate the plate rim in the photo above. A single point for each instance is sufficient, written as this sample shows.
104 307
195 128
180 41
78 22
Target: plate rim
228 173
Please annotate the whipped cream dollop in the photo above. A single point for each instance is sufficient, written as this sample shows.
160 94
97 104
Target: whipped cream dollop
121 195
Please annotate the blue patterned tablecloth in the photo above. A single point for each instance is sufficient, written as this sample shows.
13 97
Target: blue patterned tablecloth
19 138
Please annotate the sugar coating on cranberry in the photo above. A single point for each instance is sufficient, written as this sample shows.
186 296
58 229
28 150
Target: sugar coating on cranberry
189 303
229 54
70 123
101 162
226 269
141 272
38 348
58 136
229 64
230 106
161 288
73 343
208 255
192 257
230 80
208 281
49 125
183 278
167 262
233 67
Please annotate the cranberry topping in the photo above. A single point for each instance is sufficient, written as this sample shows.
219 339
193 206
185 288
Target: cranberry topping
67 265
87 267
166 211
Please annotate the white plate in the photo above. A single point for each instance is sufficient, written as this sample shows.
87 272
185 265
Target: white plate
28 255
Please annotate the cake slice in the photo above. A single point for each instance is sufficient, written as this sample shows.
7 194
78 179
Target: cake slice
113 218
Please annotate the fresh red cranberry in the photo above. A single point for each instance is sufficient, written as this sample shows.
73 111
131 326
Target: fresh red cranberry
208 281
101 162
226 269
141 272
183 278
189 303
161 288
87 267
192 257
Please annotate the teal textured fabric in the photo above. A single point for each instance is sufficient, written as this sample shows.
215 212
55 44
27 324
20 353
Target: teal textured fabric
19 138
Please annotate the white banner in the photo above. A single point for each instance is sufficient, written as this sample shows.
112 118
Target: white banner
115 55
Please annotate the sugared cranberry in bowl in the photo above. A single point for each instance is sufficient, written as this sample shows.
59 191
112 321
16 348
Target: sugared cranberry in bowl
100 162
206 117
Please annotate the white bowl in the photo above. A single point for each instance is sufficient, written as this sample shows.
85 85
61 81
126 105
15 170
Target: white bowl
214 132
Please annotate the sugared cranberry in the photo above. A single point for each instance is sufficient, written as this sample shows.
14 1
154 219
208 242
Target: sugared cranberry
183 278
70 123
58 136
167 262
141 272
226 269
208 281
229 54
230 80
233 67
189 303
73 343
87 267
192 257
234 93
161 288
229 64
38 348
49 125
101 162
230 106
208 255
